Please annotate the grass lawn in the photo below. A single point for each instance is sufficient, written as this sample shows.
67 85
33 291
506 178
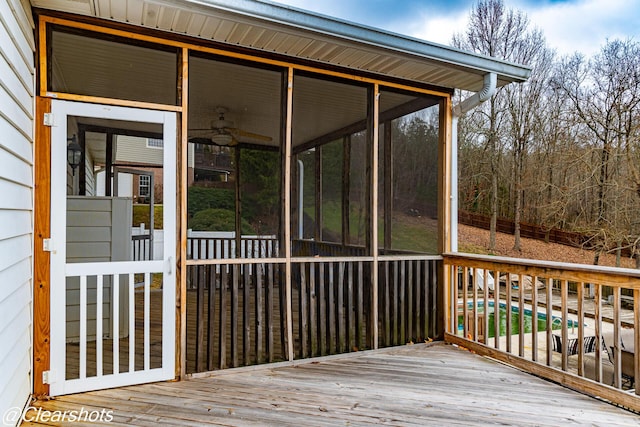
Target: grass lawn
141 215
408 233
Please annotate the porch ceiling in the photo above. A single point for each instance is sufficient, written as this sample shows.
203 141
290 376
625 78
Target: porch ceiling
299 34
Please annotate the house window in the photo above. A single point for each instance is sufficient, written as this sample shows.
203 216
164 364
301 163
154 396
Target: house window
154 143
143 185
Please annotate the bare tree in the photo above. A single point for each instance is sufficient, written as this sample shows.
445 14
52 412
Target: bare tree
605 94
502 33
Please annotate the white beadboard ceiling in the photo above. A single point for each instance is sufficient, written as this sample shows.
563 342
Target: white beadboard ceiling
273 28
108 68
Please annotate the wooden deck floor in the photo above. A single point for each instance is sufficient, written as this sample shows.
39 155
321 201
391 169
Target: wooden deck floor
414 385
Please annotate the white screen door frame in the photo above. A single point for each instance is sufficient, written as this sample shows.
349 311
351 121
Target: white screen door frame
137 361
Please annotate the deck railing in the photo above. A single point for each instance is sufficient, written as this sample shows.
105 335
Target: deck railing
551 319
238 309
235 315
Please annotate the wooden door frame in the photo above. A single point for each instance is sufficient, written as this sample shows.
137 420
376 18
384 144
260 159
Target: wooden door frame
41 258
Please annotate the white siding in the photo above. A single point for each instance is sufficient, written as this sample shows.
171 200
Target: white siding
134 149
16 205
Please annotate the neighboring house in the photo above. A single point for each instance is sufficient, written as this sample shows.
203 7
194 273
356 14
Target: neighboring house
130 80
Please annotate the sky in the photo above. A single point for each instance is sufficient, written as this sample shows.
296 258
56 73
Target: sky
569 26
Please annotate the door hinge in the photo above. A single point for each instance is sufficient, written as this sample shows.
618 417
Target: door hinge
48 119
47 245
48 377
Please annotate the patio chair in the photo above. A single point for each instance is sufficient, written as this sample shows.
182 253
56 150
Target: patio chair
626 361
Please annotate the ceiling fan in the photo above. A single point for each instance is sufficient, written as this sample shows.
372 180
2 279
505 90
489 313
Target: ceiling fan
223 133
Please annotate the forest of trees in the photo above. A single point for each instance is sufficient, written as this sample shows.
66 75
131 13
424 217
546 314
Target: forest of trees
561 150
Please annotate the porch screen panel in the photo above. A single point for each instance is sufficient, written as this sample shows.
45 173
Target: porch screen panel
89 64
234 160
408 196
329 136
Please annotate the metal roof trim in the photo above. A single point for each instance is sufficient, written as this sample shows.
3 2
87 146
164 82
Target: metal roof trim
301 19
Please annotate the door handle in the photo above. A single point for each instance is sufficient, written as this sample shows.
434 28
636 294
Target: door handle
170 269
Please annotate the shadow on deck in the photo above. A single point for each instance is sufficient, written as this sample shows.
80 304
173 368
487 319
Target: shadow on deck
422 384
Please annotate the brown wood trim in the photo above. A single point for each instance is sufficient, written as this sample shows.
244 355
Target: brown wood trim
582 385
43 72
287 156
41 259
181 223
113 101
573 272
217 48
375 134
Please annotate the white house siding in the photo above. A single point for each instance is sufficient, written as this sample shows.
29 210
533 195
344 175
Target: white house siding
16 201
134 149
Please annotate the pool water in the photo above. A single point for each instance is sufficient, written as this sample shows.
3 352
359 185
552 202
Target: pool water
556 322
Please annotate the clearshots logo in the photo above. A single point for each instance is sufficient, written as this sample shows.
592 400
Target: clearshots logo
32 414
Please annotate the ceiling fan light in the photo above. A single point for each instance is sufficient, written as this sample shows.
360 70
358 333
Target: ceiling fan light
222 139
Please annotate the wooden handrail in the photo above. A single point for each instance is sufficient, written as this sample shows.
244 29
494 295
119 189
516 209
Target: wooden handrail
608 276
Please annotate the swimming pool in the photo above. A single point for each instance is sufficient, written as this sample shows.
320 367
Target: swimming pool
556 322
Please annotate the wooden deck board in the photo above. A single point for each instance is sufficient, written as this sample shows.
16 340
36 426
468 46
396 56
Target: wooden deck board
412 385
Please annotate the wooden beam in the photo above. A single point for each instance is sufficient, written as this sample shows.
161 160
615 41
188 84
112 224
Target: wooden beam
287 208
374 101
444 219
181 223
41 259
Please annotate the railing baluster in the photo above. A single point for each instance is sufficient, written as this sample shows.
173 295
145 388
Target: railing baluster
234 314
269 313
360 306
331 340
313 309
246 325
598 328
340 336
410 336
99 320
636 340
322 283
485 297
132 320
147 321
474 297
580 308
508 313
83 327
465 307
115 325
564 290
549 293
496 311
418 289
395 302
403 310
259 303
222 325
350 324
302 307
200 318
521 315
534 323
211 313
617 357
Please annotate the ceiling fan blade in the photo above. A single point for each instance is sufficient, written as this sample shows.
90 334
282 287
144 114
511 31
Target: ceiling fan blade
201 140
245 136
